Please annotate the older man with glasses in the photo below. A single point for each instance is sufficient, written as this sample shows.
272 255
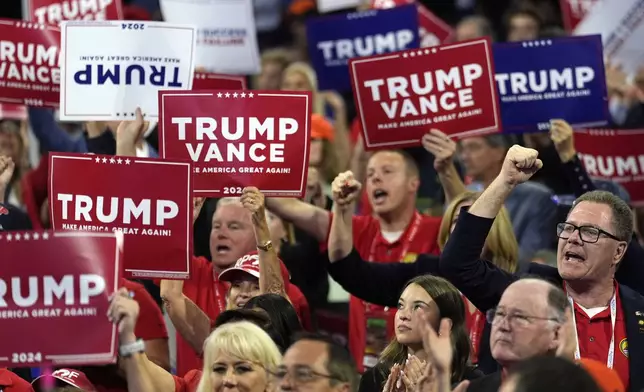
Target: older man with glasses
527 323
316 363
608 317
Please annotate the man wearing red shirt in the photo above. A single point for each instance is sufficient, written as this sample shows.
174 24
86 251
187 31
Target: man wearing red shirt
232 236
592 244
10 382
395 232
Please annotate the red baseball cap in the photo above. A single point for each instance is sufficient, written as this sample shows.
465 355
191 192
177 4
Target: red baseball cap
63 378
249 265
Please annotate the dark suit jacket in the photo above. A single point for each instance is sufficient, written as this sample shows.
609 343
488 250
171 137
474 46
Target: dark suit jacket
488 383
483 284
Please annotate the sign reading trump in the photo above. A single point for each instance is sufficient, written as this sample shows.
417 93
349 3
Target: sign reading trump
614 155
148 200
402 95
58 282
551 78
133 62
237 139
29 72
335 39
55 11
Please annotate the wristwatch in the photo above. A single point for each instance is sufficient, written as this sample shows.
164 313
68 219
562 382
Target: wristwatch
129 349
266 246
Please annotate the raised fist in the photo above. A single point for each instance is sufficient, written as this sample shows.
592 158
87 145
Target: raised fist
519 165
252 200
346 189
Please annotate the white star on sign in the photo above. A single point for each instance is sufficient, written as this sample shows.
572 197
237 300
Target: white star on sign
219 95
9 237
127 161
227 95
17 237
119 161
45 236
98 160
235 95
251 95
36 236
104 160
26 236
243 95
112 160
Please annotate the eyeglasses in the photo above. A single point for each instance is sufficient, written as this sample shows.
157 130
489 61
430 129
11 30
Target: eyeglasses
588 234
515 319
300 375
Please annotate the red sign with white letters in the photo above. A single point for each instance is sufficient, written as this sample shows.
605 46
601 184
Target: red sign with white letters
58 282
432 29
615 155
401 95
12 111
55 11
258 138
574 11
29 73
213 81
148 200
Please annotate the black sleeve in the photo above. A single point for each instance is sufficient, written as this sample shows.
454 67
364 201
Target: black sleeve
379 283
372 380
460 263
578 178
105 144
12 218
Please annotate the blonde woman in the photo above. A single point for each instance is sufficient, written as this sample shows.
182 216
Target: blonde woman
238 355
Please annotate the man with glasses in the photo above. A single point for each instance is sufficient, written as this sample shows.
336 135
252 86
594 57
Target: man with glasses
527 323
608 317
315 363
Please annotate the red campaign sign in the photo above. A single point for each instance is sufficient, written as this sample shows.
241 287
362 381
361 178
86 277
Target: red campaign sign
213 81
12 111
29 72
616 155
148 200
55 11
433 30
401 95
574 11
58 282
259 138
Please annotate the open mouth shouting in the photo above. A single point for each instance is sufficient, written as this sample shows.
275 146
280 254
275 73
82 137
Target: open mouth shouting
379 196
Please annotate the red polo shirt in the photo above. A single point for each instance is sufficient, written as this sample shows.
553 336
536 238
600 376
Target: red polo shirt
200 289
420 236
594 335
10 382
188 383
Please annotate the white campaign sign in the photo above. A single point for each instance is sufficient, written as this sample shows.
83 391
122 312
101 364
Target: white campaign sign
227 37
621 24
111 68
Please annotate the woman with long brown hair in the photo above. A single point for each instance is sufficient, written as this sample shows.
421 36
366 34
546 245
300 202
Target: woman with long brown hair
405 354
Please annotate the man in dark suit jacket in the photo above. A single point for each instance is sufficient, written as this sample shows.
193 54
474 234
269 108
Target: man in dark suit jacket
609 317
528 322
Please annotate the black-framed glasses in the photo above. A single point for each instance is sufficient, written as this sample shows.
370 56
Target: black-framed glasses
301 375
516 319
588 234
